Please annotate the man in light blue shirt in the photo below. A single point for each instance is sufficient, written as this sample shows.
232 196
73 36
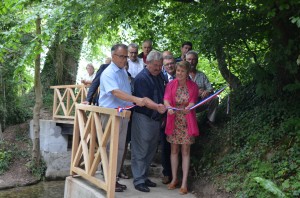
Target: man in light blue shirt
115 91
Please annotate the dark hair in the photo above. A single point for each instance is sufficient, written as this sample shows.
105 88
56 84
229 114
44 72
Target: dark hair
117 46
187 43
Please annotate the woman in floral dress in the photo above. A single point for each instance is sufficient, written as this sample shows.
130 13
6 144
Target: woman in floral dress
181 127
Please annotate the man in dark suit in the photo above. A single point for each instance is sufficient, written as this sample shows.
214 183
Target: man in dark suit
169 75
169 68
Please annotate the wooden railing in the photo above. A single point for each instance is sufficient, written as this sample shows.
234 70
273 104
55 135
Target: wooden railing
90 142
65 98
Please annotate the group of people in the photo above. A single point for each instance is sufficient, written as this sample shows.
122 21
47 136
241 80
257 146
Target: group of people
163 89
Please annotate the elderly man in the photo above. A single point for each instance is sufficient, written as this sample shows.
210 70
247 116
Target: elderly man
185 47
146 121
135 64
147 47
115 91
205 88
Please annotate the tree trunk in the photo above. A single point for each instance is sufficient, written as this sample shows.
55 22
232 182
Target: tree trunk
230 78
62 62
38 99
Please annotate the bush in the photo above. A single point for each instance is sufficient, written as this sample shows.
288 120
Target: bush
259 138
5 159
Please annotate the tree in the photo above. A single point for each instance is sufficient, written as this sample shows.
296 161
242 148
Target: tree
38 98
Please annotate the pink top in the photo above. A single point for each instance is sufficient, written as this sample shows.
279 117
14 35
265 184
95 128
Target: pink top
169 96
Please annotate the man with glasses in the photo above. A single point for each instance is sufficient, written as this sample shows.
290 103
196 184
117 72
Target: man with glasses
169 75
169 67
115 91
135 64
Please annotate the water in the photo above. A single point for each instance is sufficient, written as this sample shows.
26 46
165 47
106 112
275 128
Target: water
50 189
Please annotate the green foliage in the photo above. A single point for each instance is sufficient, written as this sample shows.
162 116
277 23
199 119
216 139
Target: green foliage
38 170
261 138
5 159
269 186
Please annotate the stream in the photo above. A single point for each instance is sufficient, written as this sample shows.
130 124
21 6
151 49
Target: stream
47 189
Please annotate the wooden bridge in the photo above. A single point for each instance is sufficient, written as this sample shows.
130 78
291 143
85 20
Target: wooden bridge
90 137
65 98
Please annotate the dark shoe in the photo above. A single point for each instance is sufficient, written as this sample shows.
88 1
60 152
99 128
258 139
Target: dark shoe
119 189
124 187
123 175
152 165
142 188
149 183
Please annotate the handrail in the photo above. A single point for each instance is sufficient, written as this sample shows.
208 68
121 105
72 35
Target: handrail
64 99
90 140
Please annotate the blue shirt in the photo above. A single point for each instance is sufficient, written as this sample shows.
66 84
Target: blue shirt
113 78
147 85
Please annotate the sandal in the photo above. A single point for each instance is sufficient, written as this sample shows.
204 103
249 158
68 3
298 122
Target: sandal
172 186
183 191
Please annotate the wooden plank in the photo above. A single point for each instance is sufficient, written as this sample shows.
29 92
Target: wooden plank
107 132
103 110
65 86
98 182
64 121
83 140
112 171
92 141
66 117
60 103
75 141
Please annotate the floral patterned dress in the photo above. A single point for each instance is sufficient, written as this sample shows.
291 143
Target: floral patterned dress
180 134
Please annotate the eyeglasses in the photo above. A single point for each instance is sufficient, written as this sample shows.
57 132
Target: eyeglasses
121 56
169 64
133 52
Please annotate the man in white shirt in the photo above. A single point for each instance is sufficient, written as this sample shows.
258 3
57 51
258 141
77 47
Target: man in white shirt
135 64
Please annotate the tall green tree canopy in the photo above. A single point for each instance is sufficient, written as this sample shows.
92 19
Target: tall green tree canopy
244 41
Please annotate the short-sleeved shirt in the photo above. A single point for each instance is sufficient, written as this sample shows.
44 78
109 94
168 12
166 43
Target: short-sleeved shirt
135 67
147 85
113 78
202 81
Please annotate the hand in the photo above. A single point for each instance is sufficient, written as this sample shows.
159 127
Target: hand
171 111
161 108
200 91
204 94
83 81
85 102
186 110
